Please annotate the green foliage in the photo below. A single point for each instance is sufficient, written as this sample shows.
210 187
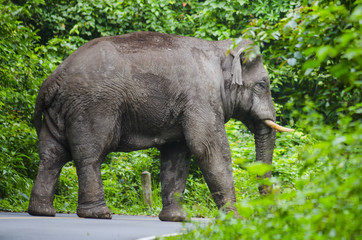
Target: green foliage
226 19
315 50
20 75
66 192
323 204
197 197
91 19
122 181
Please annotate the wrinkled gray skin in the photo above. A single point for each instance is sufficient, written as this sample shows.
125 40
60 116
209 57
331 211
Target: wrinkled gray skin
143 90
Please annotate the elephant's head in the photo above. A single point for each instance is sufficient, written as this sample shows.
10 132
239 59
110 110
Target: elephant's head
252 101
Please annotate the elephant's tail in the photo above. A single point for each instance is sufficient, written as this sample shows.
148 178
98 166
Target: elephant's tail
38 112
46 95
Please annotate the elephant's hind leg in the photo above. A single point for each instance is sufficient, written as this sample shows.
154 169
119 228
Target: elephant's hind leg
91 202
175 164
89 142
53 156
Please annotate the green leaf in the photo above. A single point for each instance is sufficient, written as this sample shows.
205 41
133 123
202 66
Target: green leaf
311 63
357 13
258 168
323 52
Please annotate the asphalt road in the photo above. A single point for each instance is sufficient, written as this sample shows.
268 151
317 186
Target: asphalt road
22 226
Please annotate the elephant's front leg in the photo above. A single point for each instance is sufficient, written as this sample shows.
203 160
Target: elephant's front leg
209 144
175 164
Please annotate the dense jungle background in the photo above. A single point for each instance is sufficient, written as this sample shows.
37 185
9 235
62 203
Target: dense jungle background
313 53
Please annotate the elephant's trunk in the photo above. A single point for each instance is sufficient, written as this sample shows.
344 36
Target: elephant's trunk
264 147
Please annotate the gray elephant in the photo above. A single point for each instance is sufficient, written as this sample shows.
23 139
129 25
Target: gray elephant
142 90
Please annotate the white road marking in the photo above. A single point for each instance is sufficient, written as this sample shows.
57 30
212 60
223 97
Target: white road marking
154 237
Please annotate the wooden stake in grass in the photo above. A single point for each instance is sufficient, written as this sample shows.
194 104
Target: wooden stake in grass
146 186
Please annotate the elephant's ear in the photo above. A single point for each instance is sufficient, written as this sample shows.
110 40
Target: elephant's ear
236 69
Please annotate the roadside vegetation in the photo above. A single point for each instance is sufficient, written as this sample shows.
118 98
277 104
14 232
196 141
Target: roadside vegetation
313 53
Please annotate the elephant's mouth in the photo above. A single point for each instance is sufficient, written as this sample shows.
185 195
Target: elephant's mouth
277 127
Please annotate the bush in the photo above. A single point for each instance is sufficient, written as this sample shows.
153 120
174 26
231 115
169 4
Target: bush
314 55
20 76
325 197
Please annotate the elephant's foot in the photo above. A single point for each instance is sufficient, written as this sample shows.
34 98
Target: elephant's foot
173 213
233 210
38 208
94 211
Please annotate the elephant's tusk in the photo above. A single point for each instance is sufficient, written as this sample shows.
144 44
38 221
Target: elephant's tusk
277 127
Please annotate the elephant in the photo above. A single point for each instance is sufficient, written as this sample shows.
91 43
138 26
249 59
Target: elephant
145 89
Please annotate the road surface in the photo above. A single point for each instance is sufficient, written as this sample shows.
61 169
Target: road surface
22 226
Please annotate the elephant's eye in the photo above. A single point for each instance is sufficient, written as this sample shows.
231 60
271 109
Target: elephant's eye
262 85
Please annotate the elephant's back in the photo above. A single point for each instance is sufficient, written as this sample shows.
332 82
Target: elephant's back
120 57
145 67
145 41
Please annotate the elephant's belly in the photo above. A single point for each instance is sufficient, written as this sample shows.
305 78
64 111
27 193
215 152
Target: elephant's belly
133 142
